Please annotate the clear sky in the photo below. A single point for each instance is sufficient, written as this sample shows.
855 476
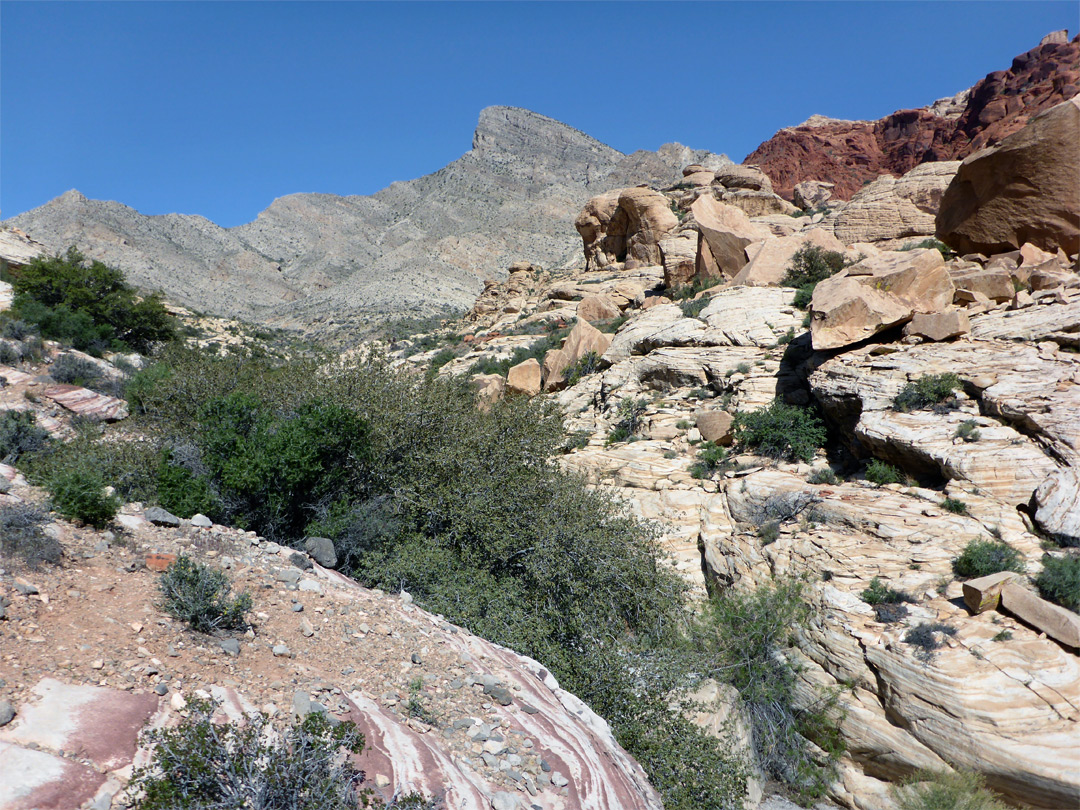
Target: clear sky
216 108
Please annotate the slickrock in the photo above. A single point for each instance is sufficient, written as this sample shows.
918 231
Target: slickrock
769 265
84 402
1021 190
724 233
891 208
1057 622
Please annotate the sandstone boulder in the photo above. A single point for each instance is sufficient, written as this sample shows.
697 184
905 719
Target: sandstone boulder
679 253
625 226
877 293
596 308
769 265
812 194
583 339
984 593
938 325
1057 622
715 426
1057 502
489 389
997 285
553 368
757 203
891 208
524 378
724 233
1024 189
697 175
748 177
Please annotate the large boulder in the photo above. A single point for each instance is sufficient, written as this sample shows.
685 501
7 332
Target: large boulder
625 226
524 378
812 194
724 233
583 339
878 293
1024 189
891 208
679 253
595 308
748 177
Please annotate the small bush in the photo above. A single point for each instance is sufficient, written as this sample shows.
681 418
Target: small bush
79 494
630 417
710 459
1059 581
926 638
890 613
183 492
769 532
1004 635
16 329
9 354
780 431
968 431
576 440
20 434
809 266
200 764
71 370
983 557
588 363
930 389
880 594
878 472
699 285
954 790
823 475
442 357
954 505
935 244
199 595
22 536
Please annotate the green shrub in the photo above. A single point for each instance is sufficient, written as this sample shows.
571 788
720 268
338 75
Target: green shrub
20 434
1004 635
699 285
588 363
983 557
534 351
968 431
143 383
79 494
1059 581
710 459
22 536
629 419
930 389
952 790
10 355
878 472
16 329
442 357
182 492
781 431
931 243
199 595
823 475
88 305
769 532
201 764
744 640
71 370
954 505
880 594
810 265
612 326
692 307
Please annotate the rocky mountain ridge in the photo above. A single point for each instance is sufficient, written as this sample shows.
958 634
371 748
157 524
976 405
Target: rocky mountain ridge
320 260
851 153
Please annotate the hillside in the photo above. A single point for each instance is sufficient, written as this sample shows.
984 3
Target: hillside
318 260
851 153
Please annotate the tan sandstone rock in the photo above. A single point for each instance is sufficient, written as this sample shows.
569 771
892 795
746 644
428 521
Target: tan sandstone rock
679 253
891 208
939 325
625 226
770 264
596 308
812 194
524 378
748 177
725 231
715 426
1057 622
1024 189
984 593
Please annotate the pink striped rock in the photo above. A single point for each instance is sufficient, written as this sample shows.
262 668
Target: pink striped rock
85 402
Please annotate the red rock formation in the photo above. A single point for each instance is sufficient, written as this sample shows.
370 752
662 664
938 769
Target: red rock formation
852 153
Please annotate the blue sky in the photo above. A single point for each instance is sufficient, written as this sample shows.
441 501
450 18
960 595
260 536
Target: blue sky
216 108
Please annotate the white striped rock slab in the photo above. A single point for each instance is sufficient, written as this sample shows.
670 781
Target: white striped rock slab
84 402
1057 322
7 295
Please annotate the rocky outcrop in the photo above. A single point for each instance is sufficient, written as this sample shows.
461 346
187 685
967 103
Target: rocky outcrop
851 153
891 208
771 259
724 233
1024 189
625 226
17 248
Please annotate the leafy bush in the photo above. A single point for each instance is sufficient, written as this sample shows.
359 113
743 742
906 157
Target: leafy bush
968 431
1059 581
16 329
983 557
954 505
588 363
880 594
744 639
930 389
769 532
442 357
534 351
183 491
781 431
79 494
811 265
9 354
21 535
20 434
88 305
926 638
931 243
199 595
629 419
72 370
692 307
200 764
823 475
710 459
952 790
878 472
699 285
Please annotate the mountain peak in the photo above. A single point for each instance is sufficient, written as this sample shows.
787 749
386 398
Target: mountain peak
71 197
503 130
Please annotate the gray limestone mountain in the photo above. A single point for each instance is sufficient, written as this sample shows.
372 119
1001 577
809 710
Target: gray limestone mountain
415 246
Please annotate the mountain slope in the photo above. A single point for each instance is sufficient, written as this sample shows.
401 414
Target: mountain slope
414 246
851 153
